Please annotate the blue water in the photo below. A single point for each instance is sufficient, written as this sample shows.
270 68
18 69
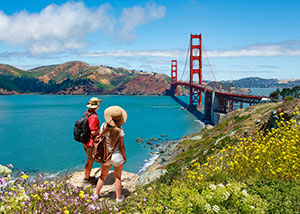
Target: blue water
36 131
262 91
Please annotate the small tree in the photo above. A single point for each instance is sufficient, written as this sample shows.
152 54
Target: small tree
296 91
274 95
286 92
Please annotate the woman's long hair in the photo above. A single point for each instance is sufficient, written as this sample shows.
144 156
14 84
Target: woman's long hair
114 134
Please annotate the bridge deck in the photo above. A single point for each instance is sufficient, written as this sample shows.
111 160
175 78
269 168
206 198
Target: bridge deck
221 93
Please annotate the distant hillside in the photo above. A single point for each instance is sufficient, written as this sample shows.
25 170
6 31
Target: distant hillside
228 86
256 82
80 78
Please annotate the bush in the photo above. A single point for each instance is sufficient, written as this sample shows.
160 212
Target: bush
283 197
272 154
185 197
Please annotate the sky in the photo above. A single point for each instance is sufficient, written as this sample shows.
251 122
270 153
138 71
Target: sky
242 38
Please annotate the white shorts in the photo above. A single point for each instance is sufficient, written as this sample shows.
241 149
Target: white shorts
116 159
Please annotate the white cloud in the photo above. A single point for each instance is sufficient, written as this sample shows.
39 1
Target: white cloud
284 48
56 28
144 53
59 28
133 17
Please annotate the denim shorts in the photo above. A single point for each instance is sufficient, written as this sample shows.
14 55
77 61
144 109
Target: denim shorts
116 159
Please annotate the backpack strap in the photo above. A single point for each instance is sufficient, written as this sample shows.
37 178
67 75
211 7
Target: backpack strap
90 114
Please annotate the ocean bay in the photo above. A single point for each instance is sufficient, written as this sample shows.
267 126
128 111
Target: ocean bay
36 131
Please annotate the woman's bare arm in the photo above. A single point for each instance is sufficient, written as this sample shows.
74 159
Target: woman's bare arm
122 148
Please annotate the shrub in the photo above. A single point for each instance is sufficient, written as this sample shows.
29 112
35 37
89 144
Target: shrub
272 154
283 197
185 197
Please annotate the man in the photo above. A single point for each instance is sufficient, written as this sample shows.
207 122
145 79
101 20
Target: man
94 124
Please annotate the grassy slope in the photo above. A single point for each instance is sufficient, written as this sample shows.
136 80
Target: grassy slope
270 195
239 123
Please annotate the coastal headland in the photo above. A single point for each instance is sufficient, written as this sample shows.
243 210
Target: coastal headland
179 154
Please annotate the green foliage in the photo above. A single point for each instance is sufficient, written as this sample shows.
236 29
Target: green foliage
22 84
283 197
186 197
289 98
120 80
285 92
241 118
173 171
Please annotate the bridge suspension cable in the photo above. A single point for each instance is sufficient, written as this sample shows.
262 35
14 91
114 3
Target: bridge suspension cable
186 59
210 66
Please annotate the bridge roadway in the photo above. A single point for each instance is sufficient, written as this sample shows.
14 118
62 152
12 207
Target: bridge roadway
217 102
234 96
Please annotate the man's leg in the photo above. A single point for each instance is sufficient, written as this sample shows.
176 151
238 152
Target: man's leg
88 168
89 162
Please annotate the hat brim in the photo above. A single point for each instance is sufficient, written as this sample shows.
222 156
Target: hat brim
92 106
112 111
89 105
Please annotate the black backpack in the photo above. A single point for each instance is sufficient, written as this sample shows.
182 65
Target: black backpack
82 130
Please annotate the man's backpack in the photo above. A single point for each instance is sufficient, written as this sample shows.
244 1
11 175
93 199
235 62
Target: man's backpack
82 130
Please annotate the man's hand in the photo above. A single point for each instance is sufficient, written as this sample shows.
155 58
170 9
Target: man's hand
95 133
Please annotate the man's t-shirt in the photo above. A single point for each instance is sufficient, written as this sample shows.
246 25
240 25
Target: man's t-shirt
93 124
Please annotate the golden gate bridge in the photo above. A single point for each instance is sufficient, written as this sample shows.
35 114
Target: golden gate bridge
217 101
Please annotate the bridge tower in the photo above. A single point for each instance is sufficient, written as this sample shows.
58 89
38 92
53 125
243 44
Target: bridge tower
173 71
195 69
173 89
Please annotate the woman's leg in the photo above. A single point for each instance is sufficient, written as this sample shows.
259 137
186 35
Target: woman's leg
118 174
100 183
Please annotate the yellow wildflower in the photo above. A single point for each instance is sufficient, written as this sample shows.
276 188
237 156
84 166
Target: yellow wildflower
24 176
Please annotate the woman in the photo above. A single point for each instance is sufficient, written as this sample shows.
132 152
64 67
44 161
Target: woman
115 117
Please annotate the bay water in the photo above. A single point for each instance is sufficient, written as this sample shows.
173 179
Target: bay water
36 131
262 91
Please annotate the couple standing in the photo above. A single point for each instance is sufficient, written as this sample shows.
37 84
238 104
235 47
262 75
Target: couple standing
112 130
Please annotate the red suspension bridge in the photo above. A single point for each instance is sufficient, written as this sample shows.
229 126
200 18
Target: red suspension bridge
217 102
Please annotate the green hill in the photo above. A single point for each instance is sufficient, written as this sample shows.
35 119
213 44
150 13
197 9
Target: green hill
78 77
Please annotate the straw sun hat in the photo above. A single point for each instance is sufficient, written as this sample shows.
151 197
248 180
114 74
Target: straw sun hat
115 116
94 102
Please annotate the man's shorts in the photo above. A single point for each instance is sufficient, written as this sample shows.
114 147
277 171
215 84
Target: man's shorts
88 151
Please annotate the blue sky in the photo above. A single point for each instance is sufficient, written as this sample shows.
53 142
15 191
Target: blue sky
243 38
